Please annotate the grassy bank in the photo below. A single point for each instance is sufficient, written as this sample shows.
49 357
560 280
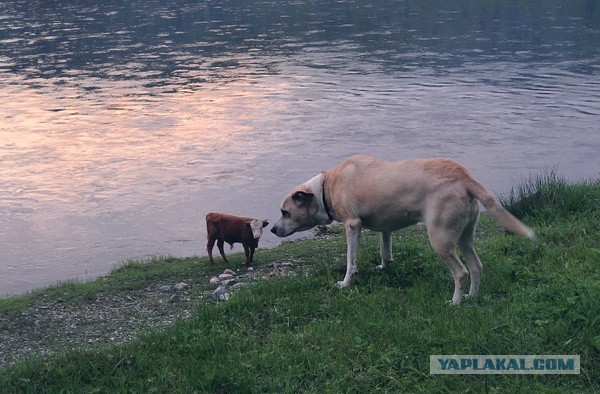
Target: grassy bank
301 334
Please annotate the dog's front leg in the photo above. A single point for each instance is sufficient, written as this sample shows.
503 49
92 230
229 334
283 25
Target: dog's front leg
385 246
353 228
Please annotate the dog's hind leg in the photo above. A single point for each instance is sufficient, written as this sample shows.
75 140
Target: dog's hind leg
465 244
442 242
353 228
385 249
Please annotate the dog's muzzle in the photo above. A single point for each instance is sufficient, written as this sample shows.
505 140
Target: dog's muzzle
279 231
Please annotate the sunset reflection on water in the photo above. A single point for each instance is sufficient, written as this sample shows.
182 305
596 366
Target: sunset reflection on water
63 146
90 177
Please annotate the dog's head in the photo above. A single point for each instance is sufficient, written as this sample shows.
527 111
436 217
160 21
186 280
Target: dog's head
302 209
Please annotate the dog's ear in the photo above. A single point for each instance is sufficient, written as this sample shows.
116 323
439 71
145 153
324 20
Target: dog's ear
301 198
265 223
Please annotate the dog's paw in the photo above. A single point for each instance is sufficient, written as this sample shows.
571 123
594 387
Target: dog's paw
341 284
384 265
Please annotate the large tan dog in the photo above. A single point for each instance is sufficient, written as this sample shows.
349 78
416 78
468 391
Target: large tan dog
387 196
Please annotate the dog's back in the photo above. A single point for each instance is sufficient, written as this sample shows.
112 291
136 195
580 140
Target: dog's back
407 189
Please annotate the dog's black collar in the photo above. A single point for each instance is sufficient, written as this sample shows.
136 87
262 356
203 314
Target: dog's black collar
325 205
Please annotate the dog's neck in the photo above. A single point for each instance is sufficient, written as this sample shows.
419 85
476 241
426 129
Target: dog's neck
316 185
325 203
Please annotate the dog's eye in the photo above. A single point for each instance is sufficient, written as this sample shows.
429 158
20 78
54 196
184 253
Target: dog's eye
284 213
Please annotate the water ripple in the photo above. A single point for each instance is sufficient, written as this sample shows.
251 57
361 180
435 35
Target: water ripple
122 124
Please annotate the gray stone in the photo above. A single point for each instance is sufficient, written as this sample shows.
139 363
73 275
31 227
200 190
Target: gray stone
165 289
221 293
181 286
214 280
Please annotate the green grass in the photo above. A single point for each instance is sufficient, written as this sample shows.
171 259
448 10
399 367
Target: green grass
302 334
549 196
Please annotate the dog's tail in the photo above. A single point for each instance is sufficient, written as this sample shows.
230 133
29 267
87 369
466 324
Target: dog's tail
493 207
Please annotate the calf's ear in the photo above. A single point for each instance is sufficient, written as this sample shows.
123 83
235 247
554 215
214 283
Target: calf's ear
265 223
301 198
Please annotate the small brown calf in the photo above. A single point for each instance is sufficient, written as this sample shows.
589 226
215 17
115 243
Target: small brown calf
222 227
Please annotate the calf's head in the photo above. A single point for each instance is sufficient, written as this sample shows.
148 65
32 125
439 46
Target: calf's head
257 227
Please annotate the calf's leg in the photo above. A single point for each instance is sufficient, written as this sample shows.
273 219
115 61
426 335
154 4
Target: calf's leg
209 247
220 244
248 253
249 260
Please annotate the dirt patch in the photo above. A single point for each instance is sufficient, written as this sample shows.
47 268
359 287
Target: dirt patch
52 326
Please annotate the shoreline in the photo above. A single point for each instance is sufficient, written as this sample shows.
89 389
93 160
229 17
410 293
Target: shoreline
94 313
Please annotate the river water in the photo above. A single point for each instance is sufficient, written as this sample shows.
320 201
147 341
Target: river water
122 124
